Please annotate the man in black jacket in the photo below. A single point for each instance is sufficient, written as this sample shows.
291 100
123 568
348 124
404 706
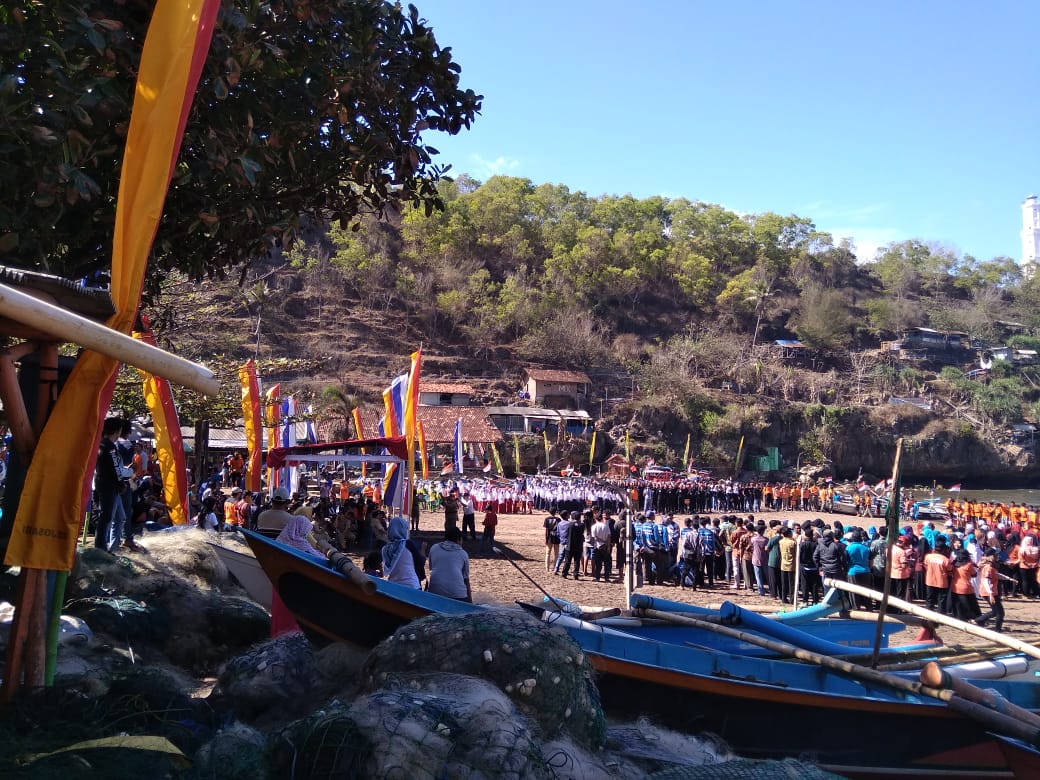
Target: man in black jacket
830 557
109 487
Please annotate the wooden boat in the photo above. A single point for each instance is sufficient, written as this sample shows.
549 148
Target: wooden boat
247 570
763 708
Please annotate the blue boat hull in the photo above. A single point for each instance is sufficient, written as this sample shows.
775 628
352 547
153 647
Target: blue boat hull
762 708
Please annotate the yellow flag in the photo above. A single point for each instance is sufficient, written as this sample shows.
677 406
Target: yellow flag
45 528
592 448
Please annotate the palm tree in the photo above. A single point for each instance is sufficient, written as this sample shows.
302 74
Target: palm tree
336 403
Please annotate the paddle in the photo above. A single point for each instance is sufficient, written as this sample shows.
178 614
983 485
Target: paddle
501 552
946 620
990 719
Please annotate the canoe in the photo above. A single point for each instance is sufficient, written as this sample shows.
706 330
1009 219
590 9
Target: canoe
811 628
762 708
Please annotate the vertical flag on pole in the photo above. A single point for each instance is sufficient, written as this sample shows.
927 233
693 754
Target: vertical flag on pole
271 397
628 447
421 436
359 433
389 415
45 528
408 422
457 448
498 461
592 450
312 435
686 454
253 422
516 452
545 441
168 444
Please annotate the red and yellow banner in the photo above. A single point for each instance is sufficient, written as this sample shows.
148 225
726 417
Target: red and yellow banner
57 485
273 409
421 435
169 447
253 421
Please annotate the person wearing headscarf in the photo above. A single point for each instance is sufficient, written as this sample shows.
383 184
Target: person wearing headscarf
398 563
1028 564
294 533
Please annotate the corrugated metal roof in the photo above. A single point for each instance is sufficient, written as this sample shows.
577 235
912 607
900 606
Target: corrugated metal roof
557 375
461 388
539 413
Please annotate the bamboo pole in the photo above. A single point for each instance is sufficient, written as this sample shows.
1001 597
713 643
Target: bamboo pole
68 326
54 626
990 719
917 663
934 676
913 609
892 524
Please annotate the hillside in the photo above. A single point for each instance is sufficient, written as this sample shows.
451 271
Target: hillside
755 328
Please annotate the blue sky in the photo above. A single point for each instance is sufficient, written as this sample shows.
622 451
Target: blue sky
880 121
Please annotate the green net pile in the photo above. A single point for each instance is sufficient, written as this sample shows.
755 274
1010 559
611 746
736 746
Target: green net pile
38 728
540 668
424 728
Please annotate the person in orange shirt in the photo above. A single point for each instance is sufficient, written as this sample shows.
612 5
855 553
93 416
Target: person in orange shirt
1028 564
989 589
937 571
962 591
902 568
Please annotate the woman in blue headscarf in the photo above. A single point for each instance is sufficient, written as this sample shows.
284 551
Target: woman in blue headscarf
398 562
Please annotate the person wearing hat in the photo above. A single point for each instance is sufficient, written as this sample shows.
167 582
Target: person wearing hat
271 521
231 510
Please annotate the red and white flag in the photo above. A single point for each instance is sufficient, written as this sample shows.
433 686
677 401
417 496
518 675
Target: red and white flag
955 488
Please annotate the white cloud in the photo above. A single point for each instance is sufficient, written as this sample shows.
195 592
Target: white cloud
484 169
866 240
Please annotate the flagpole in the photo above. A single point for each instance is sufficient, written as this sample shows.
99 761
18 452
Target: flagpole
892 524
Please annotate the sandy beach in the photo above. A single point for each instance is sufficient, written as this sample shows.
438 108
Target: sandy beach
521 537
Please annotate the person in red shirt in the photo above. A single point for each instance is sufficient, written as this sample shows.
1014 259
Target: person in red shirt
490 523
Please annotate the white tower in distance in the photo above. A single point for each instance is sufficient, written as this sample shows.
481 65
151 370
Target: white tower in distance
1030 235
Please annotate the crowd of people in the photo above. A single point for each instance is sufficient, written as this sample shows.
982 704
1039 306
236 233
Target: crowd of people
986 550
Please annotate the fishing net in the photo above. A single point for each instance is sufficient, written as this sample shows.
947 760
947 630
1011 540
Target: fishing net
237 752
745 769
272 679
631 750
37 729
152 599
425 727
540 668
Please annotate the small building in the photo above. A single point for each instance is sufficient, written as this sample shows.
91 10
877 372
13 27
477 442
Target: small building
445 394
523 420
617 466
1022 433
557 388
930 339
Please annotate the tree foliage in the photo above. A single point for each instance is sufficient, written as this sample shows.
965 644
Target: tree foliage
307 111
